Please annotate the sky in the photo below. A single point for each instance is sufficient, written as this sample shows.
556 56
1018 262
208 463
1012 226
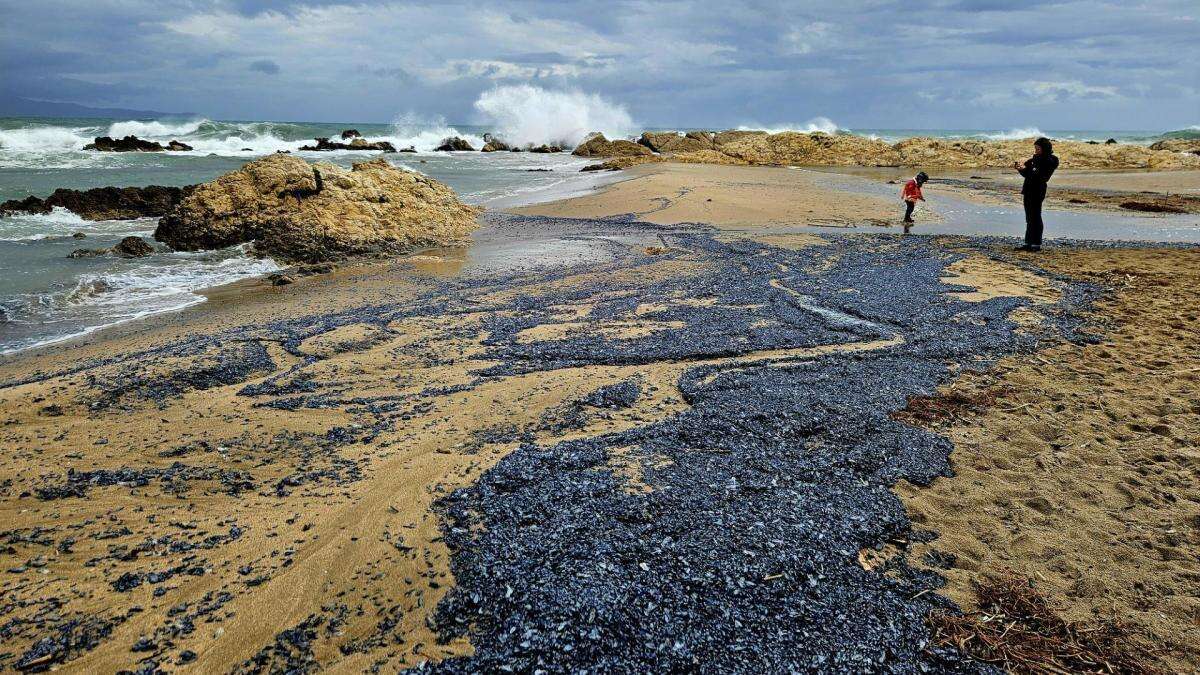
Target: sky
950 64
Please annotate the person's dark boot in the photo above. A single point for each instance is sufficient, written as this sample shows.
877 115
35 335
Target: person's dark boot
1028 248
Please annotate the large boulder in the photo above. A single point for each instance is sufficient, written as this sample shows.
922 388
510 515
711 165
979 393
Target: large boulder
673 141
106 203
294 211
324 144
350 133
132 144
454 144
596 145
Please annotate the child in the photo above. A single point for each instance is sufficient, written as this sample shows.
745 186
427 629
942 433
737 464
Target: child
910 194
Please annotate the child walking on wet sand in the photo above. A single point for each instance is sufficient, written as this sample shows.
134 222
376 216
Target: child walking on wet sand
911 194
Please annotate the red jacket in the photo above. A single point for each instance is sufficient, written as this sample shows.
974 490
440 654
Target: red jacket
912 191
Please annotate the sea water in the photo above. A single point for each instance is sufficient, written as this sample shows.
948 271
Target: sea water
46 296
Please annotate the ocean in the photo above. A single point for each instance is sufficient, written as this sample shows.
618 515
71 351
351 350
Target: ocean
45 296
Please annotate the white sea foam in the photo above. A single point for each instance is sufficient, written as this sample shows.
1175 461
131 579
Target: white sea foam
154 129
63 223
45 138
816 124
129 289
1016 134
522 114
425 134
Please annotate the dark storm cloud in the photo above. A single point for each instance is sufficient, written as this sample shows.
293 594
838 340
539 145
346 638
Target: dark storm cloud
870 63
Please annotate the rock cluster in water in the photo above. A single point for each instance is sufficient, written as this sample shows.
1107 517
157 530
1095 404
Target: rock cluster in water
295 211
357 142
129 247
106 203
134 144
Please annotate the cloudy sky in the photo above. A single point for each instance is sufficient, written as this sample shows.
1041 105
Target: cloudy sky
1086 64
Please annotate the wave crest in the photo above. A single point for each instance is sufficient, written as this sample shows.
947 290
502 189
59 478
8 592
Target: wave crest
522 114
817 124
1015 134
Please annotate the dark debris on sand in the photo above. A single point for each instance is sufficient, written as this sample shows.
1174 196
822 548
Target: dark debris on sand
742 556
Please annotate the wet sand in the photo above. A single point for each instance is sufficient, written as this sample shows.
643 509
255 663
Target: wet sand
285 477
866 199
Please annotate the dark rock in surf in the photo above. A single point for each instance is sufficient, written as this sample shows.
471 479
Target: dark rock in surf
454 144
350 133
87 253
29 204
106 203
545 149
324 144
132 247
132 144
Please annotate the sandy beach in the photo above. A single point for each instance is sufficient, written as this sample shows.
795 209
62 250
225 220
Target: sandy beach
701 386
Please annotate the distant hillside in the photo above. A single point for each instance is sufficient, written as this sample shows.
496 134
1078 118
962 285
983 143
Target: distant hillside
24 107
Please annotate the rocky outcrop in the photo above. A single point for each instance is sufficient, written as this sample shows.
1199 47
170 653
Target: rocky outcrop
129 247
1190 145
106 203
816 149
596 145
493 144
937 152
821 149
733 135
133 144
294 211
350 133
324 144
544 149
673 141
454 144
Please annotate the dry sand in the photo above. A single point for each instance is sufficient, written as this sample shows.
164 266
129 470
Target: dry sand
726 196
1081 470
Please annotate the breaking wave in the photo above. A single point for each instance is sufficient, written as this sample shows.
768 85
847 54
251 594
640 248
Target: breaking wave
522 114
124 291
817 124
1015 134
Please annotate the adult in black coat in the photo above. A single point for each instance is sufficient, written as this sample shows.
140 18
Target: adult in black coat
1037 171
